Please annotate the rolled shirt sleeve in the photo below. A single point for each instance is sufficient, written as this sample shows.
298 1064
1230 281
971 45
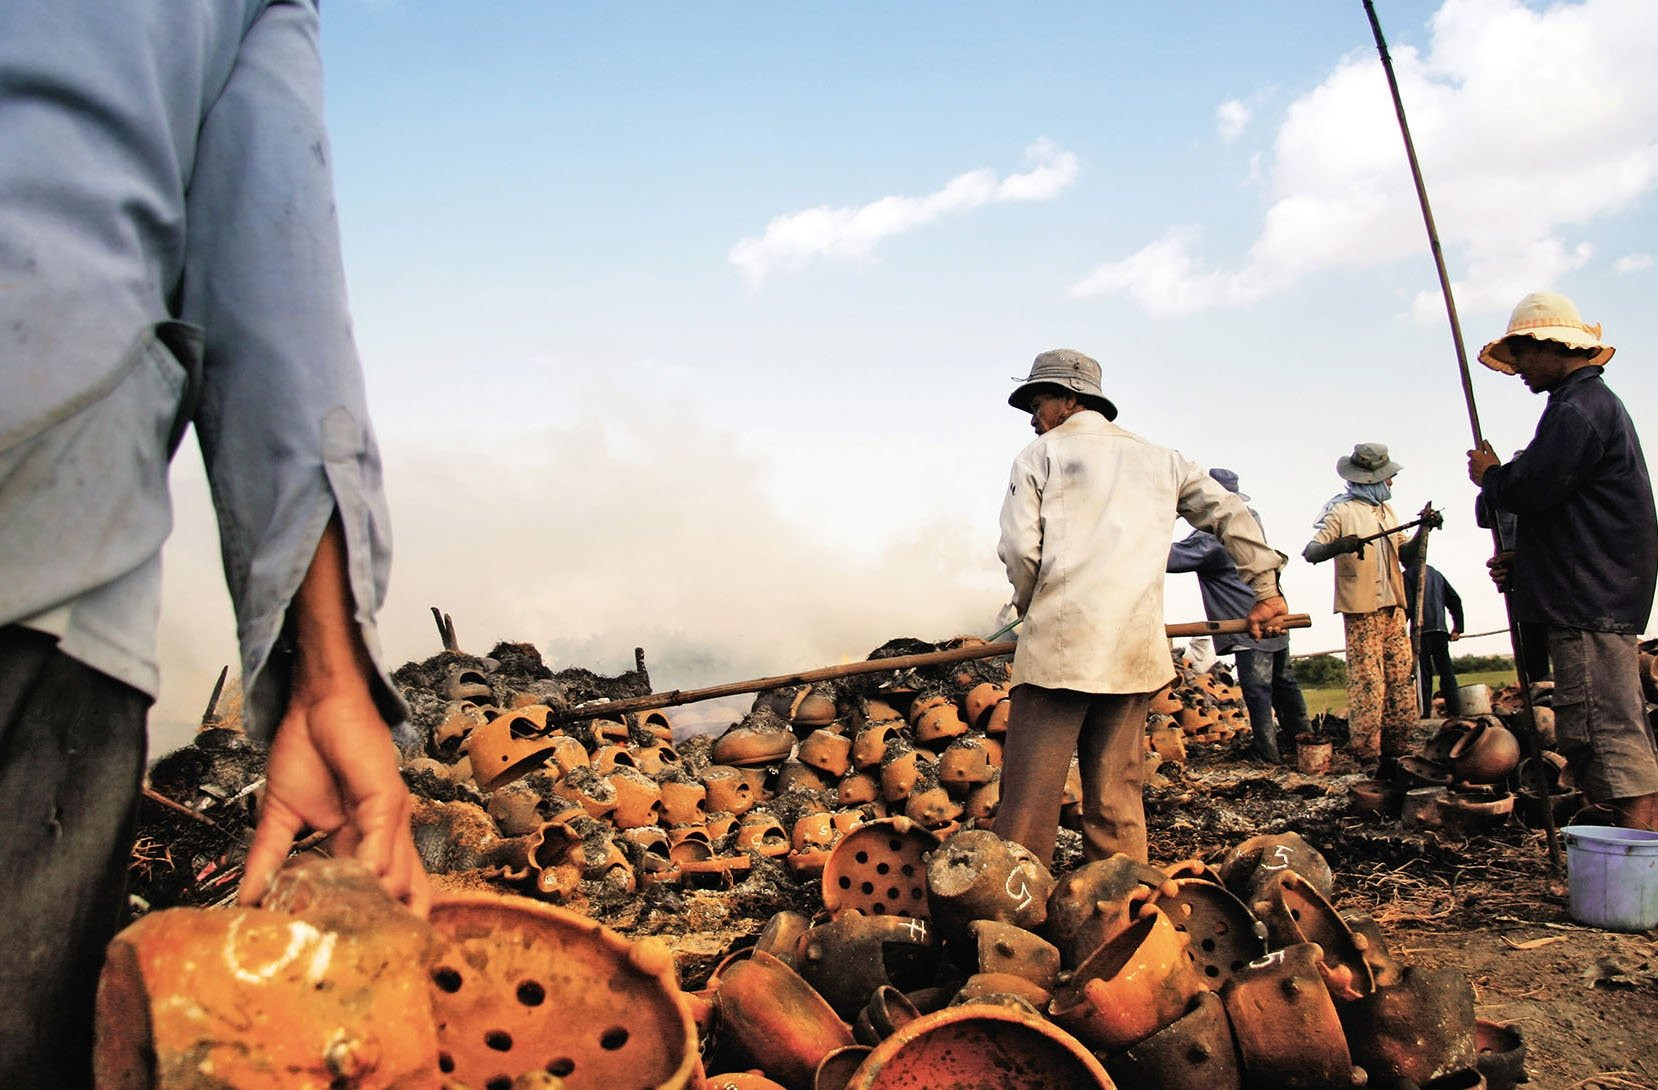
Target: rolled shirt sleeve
283 421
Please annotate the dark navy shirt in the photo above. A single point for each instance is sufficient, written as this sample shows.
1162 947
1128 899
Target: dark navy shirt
1586 548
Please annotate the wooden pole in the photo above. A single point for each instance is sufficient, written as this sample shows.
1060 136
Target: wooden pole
967 653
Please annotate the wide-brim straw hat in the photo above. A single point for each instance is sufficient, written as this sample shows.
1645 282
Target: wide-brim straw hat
1072 372
1545 316
1368 464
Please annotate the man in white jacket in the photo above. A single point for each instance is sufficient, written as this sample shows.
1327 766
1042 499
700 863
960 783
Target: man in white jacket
1085 535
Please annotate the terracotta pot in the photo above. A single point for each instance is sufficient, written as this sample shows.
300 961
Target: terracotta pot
900 771
1421 807
827 751
1421 1028
888 1009
1486 754
651 855
995 725
880 868
1468 811
516 810
743 746
1438 748
980 699
638 799
857 789
970 759
794 776
770 1017
684 803
507 747
325 986
461 682
979 807
1374 797
938 724
1499 1053
1131 987
1222 935
760 832
813 831
611 756
689 843
1195 1052
1385 969
1006 948
870 744
1259 858
838 1067
979 1045
1168 741
812 707
850 956
729 792
1295 912
1098 901
519 986
742 1080
1285 1023
976 875
567 754
1413 771
934 808
781 936
871 711
1165 702
997 987
588 790
651 724
460 719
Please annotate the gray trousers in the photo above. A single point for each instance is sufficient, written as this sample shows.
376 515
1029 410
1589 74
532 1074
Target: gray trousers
1106 732
71 764
1600 716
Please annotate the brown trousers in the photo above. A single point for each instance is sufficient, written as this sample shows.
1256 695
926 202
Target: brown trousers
1106 732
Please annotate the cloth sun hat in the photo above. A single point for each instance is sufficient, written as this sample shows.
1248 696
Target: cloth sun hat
1368 464
1545 316
1228 480
1071 371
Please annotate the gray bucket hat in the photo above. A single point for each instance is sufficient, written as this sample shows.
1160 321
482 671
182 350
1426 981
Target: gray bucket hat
1368 464
1070 371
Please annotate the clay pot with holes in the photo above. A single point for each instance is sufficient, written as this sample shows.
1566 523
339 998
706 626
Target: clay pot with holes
1285 1023
587 789
933 808
1165 702
611 756
1421 1028
1295 912
828 751
979 807
518 986
690 844
1097 901
1194 1052
936 720
1475 808
1168 741
853 954
657 761
1130 987
880 868
976 875
1222 935
650 854
976 1045
873 710
516 810
650 724
568 754
325 982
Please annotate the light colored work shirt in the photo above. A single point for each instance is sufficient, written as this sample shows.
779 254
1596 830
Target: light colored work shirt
1373 581
1085 531
169 255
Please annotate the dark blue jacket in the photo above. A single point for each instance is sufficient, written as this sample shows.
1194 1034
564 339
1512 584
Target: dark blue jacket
1225 594
1586 539
1441 597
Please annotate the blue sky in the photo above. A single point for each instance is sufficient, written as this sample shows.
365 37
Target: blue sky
691 326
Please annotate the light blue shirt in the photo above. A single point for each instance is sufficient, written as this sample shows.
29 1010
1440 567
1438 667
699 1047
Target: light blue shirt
169 255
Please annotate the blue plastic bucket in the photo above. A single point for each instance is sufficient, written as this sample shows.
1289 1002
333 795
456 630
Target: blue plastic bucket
1613 877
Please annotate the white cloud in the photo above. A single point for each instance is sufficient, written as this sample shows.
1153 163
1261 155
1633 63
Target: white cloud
1632 263
792 240
1523 141
1232 117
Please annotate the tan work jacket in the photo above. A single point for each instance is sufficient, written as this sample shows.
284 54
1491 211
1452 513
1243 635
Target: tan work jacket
1365 584
1086 526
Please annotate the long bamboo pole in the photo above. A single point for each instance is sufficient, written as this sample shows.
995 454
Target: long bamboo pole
674 697
1528 730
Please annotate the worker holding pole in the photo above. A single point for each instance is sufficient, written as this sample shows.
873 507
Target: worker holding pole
1586 555
1358 528
1085 536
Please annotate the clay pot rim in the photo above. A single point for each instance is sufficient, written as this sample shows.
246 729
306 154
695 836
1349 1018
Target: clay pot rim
865 1078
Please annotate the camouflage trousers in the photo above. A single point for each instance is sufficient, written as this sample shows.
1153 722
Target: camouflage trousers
1381 689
